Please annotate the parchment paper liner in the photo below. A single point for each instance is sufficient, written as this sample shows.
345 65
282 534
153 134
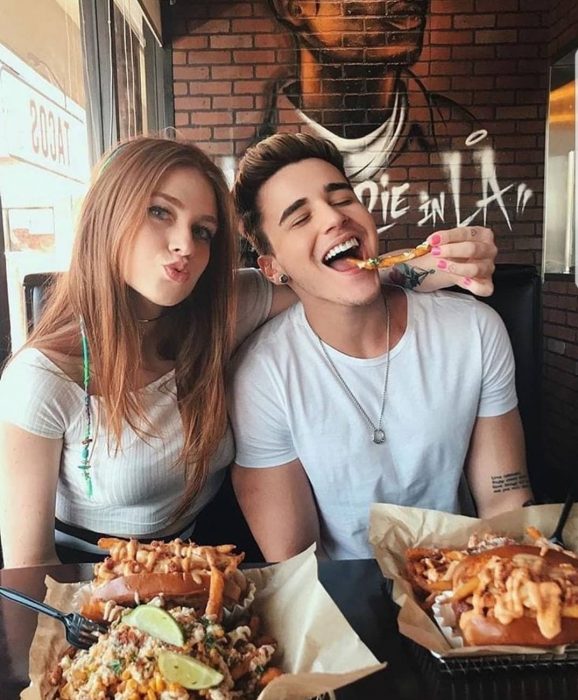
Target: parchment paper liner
231 615
318 648
395 528
445 617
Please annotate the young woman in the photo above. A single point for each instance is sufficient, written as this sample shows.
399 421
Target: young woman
113 416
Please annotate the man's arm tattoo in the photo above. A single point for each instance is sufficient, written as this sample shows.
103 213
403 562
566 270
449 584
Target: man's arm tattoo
509 482
404 275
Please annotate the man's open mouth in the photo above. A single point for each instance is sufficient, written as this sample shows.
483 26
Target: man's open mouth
334 257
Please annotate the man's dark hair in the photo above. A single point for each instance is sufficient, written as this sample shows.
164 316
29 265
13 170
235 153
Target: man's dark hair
260 163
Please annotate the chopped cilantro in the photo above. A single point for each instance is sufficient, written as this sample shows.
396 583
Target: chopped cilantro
116 666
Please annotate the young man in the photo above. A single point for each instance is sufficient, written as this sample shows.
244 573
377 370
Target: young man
359 393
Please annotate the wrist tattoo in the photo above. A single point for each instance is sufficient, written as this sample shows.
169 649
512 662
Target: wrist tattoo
408 277
509 482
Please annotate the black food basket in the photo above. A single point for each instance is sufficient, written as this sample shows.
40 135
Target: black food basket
461 665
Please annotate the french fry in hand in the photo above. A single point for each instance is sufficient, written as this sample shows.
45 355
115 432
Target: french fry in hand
390 259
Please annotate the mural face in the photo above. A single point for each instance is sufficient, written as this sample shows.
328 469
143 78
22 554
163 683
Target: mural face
417 158
354 30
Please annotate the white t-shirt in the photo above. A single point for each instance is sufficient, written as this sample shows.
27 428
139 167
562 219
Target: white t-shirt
453 364
137 488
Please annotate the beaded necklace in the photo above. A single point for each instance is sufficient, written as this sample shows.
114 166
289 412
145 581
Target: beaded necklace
85 452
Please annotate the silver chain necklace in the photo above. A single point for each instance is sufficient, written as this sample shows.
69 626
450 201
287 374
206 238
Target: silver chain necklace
377 433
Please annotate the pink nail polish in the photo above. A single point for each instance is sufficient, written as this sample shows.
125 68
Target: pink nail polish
436 251
467 281
436 239
442 264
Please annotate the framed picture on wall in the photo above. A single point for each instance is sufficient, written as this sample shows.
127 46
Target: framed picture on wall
30 228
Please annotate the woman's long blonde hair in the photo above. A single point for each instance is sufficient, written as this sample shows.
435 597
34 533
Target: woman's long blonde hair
198 332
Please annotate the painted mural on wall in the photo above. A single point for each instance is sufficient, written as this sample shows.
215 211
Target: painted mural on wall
416 157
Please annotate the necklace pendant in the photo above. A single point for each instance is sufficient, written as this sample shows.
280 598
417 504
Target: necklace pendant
378 436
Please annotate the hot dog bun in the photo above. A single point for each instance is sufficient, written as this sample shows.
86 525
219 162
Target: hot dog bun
430 569
517 594
181 573
125 590
487 631
472 564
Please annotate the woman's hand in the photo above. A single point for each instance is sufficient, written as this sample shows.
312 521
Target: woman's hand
465 256
462 256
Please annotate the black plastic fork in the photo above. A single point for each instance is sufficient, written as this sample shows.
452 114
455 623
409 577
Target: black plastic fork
556 536
80 631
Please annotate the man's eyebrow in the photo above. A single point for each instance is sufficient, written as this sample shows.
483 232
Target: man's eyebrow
335 186
297 204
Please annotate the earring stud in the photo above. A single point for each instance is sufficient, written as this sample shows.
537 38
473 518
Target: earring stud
283 278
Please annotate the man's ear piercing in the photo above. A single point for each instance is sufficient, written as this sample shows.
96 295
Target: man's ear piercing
283 278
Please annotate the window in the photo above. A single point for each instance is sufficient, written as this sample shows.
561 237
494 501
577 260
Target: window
560 184
129 62
76 76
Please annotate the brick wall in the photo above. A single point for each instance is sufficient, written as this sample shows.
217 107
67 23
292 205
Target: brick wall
489 57
560 300
223 53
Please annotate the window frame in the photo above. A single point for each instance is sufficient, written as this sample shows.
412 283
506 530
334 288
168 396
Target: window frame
97 31
564 58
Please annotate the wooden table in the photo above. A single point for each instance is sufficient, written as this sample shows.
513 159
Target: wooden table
356 587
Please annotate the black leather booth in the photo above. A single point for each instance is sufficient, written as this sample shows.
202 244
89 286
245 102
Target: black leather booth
517 298
35 288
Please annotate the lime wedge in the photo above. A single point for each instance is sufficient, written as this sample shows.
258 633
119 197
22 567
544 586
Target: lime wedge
156 622
188 672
